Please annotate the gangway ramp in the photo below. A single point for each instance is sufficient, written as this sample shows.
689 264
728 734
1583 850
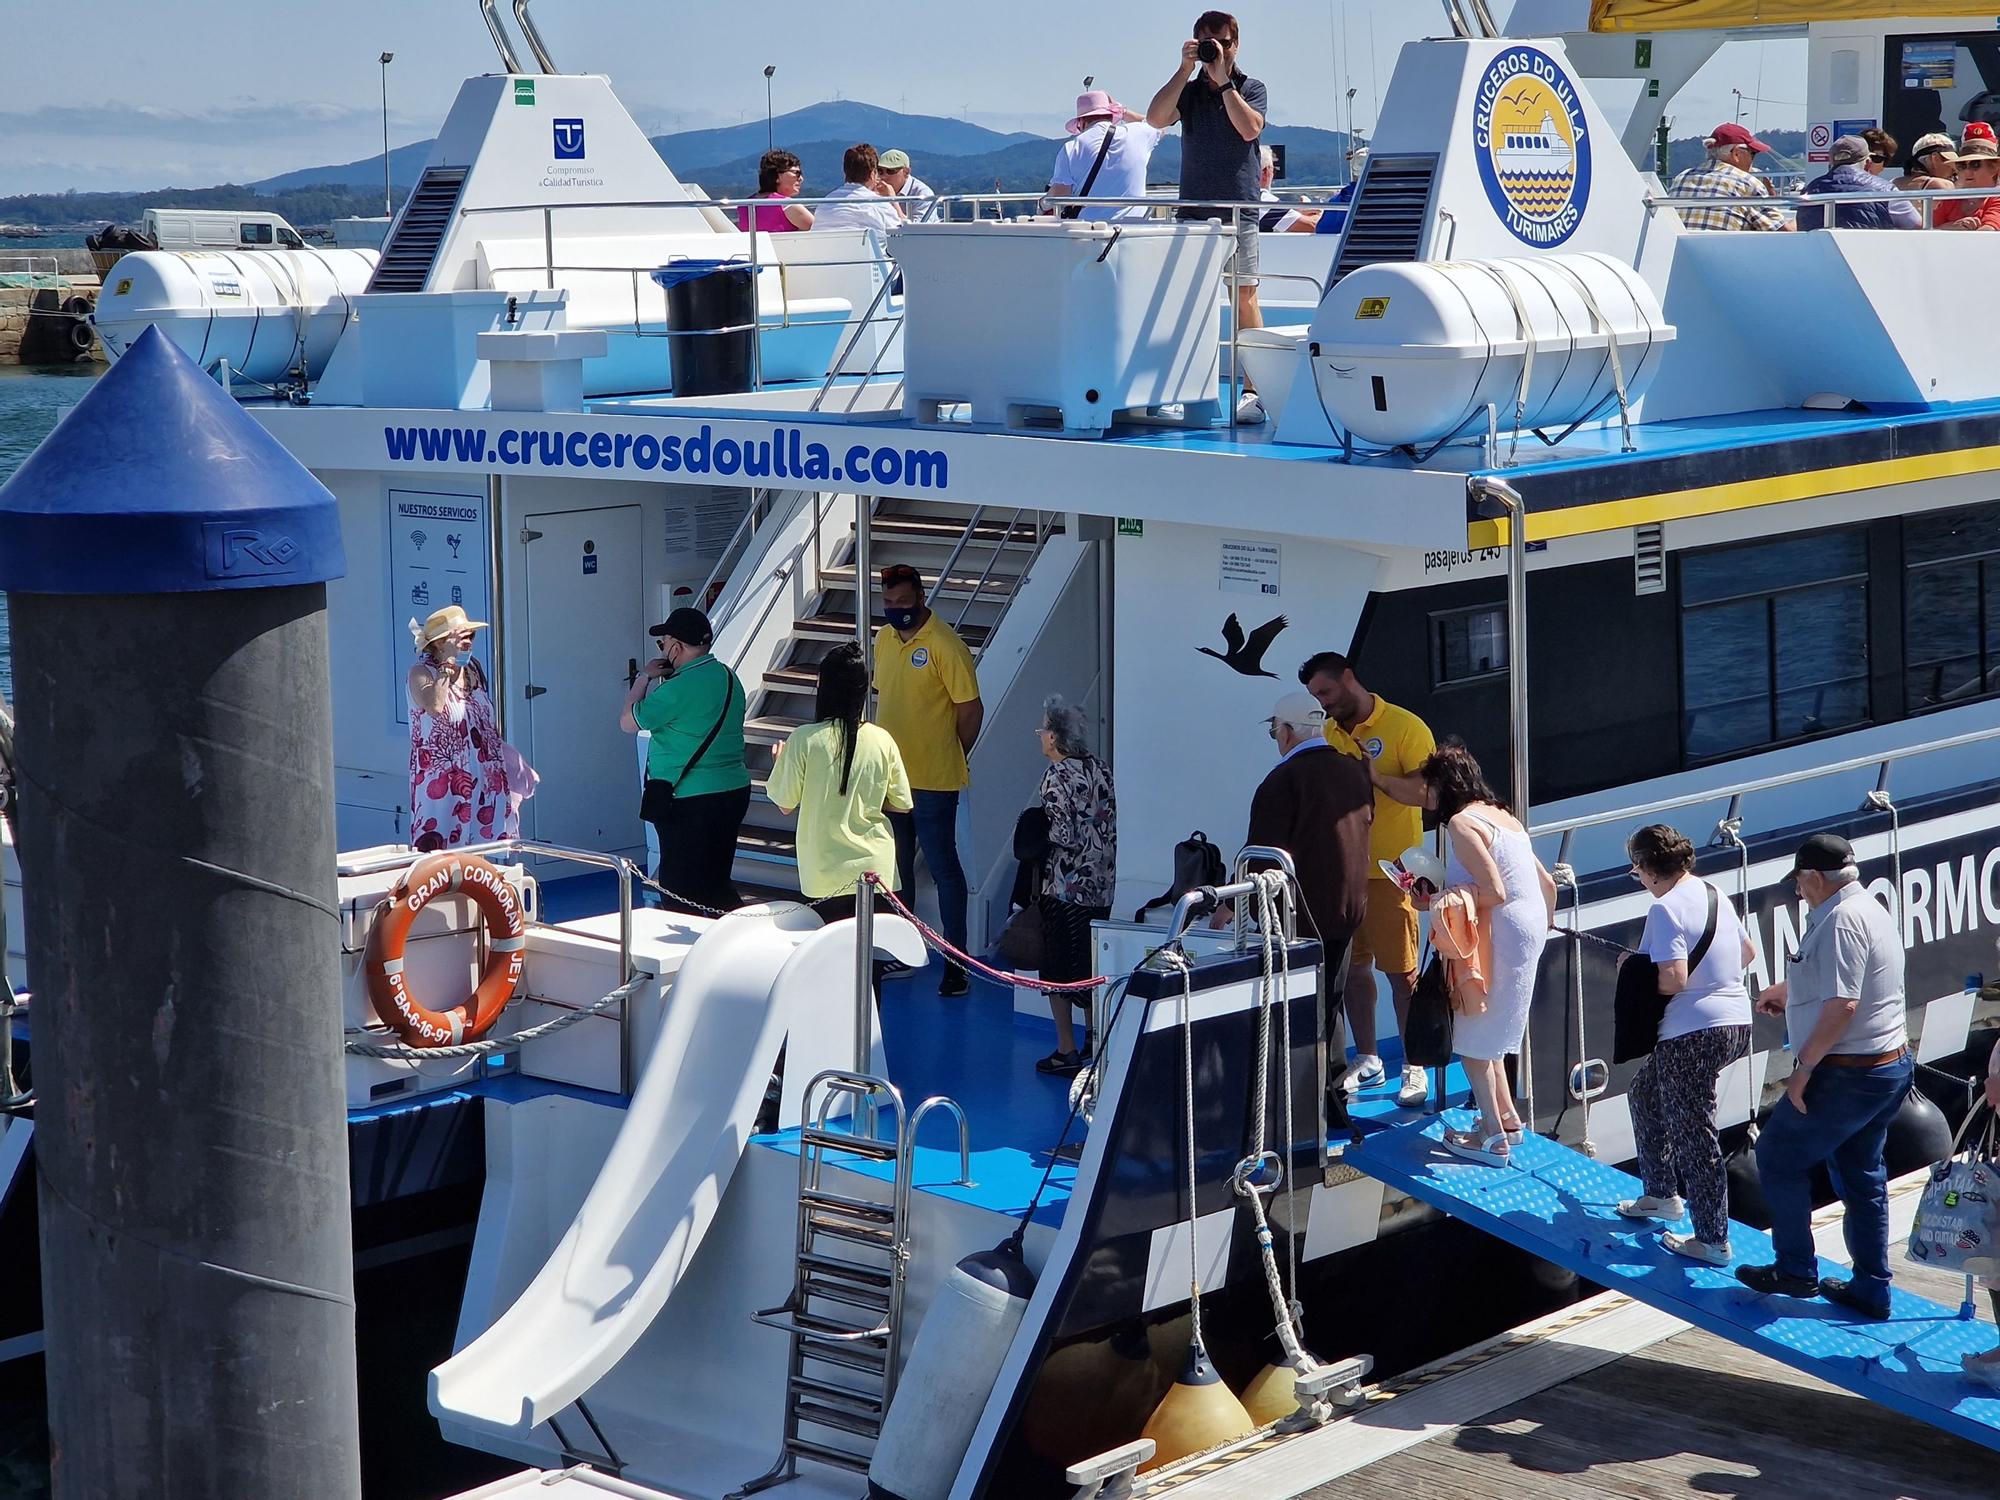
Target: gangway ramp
1562 1206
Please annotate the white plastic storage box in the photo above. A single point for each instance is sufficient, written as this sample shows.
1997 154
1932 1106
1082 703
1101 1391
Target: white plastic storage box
1033 320
1416 353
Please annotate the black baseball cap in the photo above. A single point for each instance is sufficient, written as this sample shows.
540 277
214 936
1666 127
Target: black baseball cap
686 624
1823 853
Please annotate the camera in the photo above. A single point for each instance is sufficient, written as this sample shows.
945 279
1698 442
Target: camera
1210 49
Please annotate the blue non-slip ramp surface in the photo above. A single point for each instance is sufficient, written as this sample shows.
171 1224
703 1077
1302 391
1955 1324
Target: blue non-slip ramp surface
1562 1206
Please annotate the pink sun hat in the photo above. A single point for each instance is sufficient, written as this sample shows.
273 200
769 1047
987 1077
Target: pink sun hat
1098 102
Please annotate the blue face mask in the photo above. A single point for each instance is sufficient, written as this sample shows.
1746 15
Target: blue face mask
901 619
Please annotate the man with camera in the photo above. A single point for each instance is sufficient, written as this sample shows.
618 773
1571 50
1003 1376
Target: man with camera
1221 112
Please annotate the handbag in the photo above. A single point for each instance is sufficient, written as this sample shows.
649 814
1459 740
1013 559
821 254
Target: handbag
1023 944
1427 1034
1958 1218
1197 863
1075 210
657 800
1637 1006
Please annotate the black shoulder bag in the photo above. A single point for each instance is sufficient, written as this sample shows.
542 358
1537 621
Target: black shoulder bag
1638 1007
1427 1034
1073 210
656 802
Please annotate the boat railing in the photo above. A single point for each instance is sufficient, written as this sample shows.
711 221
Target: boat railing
944 208
1589 1077
629 877
1925 199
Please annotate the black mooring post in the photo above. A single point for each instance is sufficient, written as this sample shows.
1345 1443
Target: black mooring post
166 564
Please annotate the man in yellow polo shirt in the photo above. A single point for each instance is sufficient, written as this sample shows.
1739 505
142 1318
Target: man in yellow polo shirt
1395 742
928 699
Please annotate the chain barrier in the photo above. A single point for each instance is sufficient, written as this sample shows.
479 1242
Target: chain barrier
999 976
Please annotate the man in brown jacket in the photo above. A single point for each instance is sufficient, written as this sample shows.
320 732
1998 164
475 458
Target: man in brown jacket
1317 805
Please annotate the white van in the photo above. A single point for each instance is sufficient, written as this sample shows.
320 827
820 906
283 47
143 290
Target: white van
219 229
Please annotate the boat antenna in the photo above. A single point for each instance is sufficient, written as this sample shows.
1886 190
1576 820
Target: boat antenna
533 36
499 33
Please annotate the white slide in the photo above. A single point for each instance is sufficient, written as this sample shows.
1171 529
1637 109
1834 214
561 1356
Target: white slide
737 995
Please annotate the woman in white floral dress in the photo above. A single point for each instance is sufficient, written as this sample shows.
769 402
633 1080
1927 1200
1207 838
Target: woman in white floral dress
466 783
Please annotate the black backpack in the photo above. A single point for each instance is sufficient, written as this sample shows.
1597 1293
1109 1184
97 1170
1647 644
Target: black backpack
1197 863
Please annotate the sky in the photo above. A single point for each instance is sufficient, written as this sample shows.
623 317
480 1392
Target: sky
198 92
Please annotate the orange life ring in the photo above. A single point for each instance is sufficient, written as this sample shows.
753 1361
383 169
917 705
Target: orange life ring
507 941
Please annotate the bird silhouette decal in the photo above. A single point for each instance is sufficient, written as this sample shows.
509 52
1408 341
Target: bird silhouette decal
1246 656
1515 98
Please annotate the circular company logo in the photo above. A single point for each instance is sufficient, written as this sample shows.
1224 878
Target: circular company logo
1534 153
1373 747
921 657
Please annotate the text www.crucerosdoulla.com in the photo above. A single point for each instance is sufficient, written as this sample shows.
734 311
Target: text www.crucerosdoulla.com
787 454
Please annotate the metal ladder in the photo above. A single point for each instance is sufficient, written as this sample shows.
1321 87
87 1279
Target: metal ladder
852 1258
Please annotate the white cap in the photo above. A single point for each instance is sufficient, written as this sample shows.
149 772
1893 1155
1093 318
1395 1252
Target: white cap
1301 711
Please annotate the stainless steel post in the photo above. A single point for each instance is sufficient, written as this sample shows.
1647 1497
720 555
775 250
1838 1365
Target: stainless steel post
863 578
864 976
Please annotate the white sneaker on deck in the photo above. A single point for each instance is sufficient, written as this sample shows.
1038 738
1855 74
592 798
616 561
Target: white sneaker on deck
1363 1073
1250 410
1649 1207
1694 1249
1416 1087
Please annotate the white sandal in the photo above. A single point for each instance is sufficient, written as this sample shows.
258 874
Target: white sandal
1491 1151
1515 1133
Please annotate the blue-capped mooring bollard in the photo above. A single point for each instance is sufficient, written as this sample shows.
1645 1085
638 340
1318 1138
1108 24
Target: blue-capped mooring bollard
166 563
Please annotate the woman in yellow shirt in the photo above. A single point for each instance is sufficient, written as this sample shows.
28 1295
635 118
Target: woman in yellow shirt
844 777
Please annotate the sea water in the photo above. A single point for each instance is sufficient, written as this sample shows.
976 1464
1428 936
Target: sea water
30 400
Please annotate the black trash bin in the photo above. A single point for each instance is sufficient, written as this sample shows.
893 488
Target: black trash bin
704 296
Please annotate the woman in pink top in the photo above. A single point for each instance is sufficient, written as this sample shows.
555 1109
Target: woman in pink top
779 176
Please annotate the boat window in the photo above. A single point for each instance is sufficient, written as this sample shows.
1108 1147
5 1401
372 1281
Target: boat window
1774 642
254 234
1467 644
1951 605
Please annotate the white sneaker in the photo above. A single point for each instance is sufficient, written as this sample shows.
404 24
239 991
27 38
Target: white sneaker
1649 1207
1416 1087
1694 1249
1363 1073
1250 410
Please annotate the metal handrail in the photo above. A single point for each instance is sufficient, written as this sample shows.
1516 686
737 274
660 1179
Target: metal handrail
1881 759
979 585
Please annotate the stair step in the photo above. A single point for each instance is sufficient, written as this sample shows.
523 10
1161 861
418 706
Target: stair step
853 1145
866 1402
943 529
816 1323
770 729
867 1359
846 1229
827 1265
845 1295
838 625
818 1414
840 1203
819 1453
963 584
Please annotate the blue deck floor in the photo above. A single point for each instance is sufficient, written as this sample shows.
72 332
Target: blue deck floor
1561 1206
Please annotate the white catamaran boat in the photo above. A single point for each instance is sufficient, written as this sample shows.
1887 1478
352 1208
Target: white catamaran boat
1701 528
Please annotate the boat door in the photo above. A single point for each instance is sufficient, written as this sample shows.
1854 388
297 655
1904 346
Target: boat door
585 619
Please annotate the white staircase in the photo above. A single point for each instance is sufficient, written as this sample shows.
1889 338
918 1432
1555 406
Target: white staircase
973 559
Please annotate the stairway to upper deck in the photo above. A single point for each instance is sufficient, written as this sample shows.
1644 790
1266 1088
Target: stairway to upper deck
972 560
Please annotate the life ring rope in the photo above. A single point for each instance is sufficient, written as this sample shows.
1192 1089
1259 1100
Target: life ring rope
487 887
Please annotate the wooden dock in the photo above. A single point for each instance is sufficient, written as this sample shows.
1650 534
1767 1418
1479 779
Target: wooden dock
1615 1399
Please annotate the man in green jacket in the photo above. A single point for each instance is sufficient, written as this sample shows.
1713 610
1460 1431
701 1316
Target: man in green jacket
697 785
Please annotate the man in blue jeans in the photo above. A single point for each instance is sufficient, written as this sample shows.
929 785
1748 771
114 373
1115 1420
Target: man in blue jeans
1843 1006
928 699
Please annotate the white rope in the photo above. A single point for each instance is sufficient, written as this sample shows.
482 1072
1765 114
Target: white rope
1270 986
398 1052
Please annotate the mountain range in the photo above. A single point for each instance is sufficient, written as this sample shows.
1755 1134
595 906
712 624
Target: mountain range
951 155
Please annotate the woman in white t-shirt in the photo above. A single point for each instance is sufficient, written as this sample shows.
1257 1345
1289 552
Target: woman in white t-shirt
1705 1029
